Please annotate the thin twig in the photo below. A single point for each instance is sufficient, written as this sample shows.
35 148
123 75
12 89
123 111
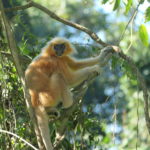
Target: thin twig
130 20
15 135
131 37
138 118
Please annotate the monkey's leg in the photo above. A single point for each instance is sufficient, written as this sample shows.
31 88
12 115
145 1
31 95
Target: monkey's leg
82 74
66 95
60 90
51 96
34 97
42 120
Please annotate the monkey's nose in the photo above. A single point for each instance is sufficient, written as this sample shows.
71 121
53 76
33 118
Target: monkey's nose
59 52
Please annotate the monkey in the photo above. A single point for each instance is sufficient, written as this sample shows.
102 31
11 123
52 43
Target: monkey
52 73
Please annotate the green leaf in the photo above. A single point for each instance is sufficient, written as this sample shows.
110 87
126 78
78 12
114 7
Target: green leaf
143 35
126 68
142 1
104 1
117 3
128 6
147 14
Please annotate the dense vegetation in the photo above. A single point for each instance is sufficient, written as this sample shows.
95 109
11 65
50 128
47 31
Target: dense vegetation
111 116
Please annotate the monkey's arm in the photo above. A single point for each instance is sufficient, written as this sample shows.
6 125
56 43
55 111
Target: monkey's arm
79 64
101 60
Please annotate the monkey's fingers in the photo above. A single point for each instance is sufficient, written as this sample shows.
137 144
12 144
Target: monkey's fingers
105 60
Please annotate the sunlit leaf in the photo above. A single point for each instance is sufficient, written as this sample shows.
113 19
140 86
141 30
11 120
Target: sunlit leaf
128 6
143 35
147 15
117 4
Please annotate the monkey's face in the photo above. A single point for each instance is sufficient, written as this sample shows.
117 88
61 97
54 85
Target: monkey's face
59 49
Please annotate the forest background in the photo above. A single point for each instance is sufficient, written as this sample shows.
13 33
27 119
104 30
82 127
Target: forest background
111 116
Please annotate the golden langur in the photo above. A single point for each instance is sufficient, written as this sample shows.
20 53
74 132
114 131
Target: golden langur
50 76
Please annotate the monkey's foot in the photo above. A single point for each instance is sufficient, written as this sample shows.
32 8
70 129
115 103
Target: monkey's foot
53 113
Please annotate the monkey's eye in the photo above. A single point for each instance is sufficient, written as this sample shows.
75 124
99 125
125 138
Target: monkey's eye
59 46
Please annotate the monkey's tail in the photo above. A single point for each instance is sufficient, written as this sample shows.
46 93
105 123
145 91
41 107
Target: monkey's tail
42 120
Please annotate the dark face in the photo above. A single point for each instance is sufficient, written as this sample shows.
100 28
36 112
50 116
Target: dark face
59 49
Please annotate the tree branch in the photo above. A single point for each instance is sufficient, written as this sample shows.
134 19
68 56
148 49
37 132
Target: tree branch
23 58
93 35
28 5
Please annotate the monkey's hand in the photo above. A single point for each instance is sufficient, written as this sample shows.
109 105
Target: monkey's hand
97 69
105 55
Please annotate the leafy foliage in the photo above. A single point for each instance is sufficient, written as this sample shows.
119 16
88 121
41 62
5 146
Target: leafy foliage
147 14
142 1
143 35
117 4
128 6
105 1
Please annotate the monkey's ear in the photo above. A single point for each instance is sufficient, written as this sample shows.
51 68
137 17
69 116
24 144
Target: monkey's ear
48 50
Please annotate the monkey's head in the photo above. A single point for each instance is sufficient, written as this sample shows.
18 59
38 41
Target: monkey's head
58 47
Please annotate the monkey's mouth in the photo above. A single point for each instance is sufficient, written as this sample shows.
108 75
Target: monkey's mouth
59 53
59 49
